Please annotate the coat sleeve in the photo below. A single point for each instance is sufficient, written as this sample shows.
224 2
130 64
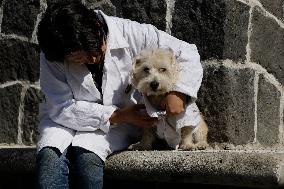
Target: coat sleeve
190 68
62 108
141 36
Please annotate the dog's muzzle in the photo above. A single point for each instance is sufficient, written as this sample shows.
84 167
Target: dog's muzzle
154 85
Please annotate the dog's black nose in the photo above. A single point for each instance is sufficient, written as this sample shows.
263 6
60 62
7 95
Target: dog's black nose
154 85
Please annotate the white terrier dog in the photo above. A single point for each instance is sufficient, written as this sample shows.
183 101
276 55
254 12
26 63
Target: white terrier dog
154 75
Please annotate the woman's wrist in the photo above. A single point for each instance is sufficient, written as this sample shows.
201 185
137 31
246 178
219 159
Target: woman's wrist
116 117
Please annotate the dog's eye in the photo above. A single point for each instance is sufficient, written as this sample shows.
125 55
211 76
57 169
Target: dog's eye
146 69
162 69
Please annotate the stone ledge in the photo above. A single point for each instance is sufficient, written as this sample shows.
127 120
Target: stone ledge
262 169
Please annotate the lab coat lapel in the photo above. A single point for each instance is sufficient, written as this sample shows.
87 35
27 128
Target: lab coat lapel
117 66
81 78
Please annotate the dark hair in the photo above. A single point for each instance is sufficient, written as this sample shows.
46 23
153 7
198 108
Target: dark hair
70 26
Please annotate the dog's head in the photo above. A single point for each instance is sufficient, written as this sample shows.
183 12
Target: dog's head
155 71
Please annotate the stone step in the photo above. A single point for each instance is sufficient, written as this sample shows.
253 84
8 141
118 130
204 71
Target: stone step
235 168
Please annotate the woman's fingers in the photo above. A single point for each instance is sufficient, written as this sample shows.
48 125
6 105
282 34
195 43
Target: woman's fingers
150 122
139 106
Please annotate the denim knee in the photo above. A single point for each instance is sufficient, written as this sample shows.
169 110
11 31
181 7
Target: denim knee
52 169
86 169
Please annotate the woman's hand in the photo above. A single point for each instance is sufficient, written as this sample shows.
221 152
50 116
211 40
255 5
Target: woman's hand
174 103
134 115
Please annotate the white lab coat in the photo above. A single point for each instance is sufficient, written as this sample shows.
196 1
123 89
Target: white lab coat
75 112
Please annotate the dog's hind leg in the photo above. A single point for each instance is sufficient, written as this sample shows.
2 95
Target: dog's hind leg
146 142
186 139
200 135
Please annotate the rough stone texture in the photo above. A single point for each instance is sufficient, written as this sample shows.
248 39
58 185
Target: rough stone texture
18 60
10 99
50 2
106 6
118 8
143 11
178 169
218 167
30 121
267 42
276 7
218 28
226 98
19 17
201 23
268 113
235 28
15 160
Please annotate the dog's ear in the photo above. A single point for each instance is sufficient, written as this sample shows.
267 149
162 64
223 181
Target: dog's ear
137 61
170 50
171 54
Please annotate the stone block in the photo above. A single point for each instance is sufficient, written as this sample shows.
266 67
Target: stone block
226 98
19 17
218 28
236 31
268 113
267 44
18 60
30 120
143 11
118 8
10 99
106 6
50 2
276 7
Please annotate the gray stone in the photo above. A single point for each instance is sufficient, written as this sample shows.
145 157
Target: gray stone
10 99
171 169
231 168
106 6
236 31
226 98
268 113
30 121
276 7
18 60
267 44
218 28
17 160
118 8
19 17
50 2
143 11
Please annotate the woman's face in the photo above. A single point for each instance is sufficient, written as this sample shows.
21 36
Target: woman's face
85 57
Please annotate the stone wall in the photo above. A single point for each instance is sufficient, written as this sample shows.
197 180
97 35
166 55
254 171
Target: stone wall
241 43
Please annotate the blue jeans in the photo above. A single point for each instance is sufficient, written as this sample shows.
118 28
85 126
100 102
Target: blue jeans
75 168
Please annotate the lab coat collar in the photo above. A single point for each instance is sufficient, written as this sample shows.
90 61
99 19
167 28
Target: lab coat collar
115 38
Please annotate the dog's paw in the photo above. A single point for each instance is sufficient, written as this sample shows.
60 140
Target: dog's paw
140 146
188 147
202 145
